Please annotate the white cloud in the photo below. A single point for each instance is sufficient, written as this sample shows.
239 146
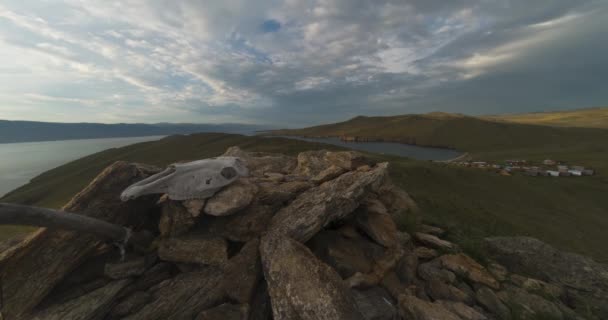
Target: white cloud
193 61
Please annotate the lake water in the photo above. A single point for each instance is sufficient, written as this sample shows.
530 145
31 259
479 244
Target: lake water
20 162
390 148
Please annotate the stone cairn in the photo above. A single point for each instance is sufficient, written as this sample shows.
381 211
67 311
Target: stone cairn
306 237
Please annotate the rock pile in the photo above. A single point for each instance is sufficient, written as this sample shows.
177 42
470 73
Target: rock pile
312 237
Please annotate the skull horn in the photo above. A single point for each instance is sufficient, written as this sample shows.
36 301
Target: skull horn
13 214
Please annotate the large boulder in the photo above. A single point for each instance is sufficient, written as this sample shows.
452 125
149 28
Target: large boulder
375 304
198 250
301 286
175 220
416 309
373 218
260 163
184 296
585 279
90 306
433 241
242 226
465 267
463 311
231 199
225 311
535 258
346 255
319 206
243 272
490 301
525 305
31 269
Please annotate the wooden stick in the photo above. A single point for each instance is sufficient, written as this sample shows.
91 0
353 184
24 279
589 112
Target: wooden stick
14 214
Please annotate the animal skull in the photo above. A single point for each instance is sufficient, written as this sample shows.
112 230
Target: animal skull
193 180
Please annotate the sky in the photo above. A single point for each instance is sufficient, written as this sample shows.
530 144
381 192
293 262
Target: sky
297 62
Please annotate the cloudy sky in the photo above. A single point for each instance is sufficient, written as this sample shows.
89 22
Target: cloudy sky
297 62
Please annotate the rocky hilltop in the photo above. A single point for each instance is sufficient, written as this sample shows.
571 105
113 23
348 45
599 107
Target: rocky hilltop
317 236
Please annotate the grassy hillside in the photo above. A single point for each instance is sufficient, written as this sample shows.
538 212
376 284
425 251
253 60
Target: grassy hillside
584 118
569 213
483 139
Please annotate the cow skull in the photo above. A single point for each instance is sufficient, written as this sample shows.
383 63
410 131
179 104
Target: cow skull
193 180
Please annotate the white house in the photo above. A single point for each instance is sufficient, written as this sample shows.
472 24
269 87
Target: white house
553 173
576 172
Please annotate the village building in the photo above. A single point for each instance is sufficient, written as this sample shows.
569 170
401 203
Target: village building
562 168
549 162
588 172
553 173
575 172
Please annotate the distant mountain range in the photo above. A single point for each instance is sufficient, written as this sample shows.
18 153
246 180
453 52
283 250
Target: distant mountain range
26 131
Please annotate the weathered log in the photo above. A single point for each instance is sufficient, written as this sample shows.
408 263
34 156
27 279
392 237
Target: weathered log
31 270
14 214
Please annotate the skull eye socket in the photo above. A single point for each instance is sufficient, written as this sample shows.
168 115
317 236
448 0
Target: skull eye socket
228 172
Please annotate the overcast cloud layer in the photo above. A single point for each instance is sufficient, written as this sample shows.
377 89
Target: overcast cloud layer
297 62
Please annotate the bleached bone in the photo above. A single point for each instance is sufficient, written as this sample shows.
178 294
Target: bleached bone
193 180
13 214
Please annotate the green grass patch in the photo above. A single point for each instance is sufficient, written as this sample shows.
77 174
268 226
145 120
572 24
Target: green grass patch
569 213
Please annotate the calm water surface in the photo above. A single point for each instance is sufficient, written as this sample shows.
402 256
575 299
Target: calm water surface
20 162
391 148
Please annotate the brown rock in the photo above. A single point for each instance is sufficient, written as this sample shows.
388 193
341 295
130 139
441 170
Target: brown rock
530 306
301 286
537 286
194 206
242 226
131 267
93 305
584 277
407 268
489 301
25 283
436 231
463 311
311 163
175 220
243 272
424 253
375 304
319 206
275 176
373 219
260 163
439 290
225 311
277 194
184 296
396 200
346 256
464 266
433 241
433 270
131 304
327 174
416 309
498 271
393 285
199 250
231 199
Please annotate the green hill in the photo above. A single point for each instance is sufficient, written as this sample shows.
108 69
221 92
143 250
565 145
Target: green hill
483 139
571 214
584 118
